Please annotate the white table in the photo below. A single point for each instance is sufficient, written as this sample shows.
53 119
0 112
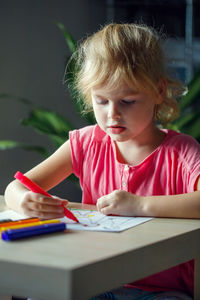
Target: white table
79 264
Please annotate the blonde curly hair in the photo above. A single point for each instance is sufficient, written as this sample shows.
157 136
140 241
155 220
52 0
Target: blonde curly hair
131 53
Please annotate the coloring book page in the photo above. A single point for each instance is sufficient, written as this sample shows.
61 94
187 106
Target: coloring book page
95 221
89 220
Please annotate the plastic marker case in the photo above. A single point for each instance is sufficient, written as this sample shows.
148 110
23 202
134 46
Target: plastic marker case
14 234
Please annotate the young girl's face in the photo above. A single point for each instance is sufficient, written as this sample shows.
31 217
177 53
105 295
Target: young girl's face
122 113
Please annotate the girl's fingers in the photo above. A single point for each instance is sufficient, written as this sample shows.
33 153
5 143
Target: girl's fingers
44 199
107 210
64 201
44 215
36 206
102 202
34 209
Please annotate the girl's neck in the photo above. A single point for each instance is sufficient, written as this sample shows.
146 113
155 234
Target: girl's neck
133 152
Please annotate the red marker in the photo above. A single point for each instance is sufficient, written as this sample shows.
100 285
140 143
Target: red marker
32 186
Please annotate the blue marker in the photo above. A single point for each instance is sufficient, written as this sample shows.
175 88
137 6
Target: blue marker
14 234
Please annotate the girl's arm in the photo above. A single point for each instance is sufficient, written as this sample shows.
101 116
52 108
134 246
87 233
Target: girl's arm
47 175
173 206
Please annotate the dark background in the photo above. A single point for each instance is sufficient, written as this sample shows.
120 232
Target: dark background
33 52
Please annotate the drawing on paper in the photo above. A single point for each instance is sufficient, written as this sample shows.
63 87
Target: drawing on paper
95 221
88 217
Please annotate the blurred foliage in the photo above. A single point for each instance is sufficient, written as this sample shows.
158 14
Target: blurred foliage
189 120
48 122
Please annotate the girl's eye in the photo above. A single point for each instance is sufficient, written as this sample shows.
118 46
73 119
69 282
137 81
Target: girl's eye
101 101
128 101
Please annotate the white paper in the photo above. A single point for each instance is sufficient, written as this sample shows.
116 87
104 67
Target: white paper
95 221
89 220
11 214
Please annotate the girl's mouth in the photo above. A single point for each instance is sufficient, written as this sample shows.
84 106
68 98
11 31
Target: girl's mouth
116 129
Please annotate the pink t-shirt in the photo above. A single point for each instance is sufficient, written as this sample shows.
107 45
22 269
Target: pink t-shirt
172 168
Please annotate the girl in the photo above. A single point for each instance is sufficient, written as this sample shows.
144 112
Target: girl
126 164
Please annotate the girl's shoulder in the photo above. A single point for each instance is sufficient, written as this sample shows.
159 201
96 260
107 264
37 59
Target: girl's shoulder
89 134
178 137
86 144
180 142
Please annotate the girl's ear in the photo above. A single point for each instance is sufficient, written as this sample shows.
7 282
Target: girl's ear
162 86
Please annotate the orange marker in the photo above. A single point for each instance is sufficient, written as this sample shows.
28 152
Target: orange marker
19 222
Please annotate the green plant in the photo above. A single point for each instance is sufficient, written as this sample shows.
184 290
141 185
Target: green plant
45 121
189 121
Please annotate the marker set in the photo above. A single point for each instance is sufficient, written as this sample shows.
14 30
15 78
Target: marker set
13 230
29 227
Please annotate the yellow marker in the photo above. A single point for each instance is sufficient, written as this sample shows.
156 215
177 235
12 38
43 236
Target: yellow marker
29 224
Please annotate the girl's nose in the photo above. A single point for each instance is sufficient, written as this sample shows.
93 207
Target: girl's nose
113 112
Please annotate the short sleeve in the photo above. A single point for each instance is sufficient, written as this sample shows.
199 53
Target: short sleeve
189 152
79 143
193 163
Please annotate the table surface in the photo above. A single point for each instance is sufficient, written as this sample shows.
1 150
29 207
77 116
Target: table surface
79 264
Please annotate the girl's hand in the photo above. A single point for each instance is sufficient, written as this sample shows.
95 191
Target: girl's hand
120 203
37 205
